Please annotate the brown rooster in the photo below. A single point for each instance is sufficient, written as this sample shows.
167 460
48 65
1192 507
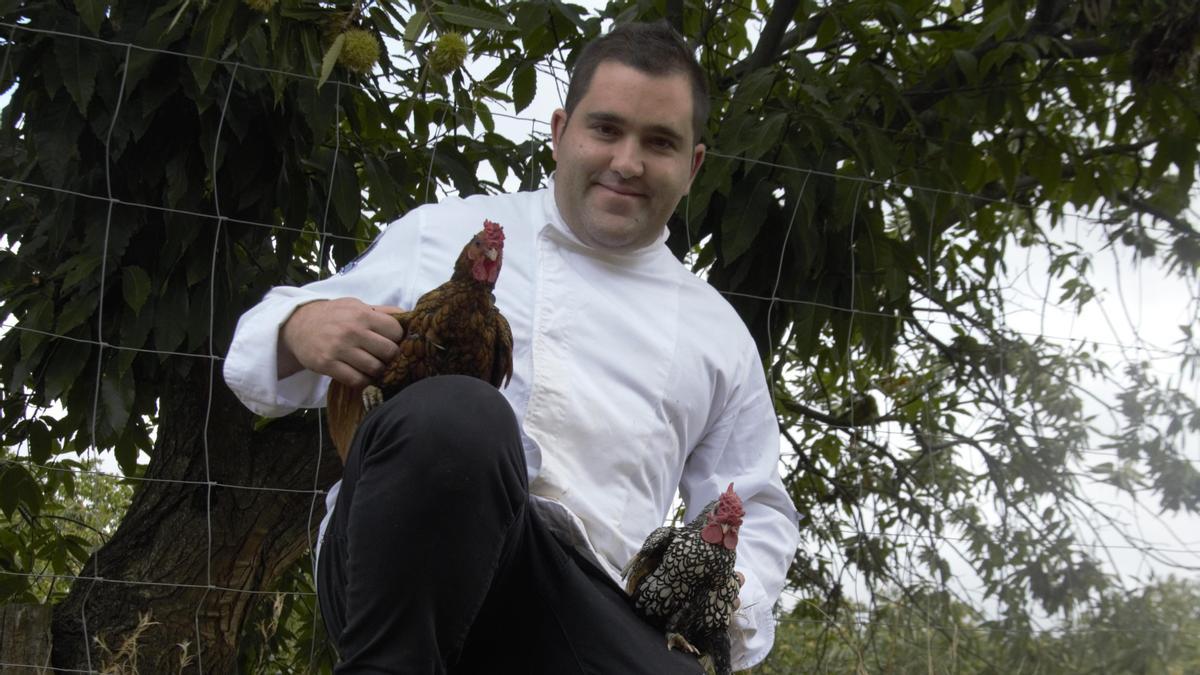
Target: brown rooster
454 329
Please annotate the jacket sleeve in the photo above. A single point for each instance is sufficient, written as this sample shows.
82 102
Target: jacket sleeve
741 447
380 276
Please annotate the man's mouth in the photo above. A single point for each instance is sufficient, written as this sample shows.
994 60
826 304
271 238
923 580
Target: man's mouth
623 191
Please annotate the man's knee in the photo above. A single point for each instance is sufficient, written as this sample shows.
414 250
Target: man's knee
450 423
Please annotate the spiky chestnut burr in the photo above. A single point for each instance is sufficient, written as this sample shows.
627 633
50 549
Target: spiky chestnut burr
449 53
360 53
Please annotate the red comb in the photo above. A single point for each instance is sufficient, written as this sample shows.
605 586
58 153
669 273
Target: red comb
729 506
494 232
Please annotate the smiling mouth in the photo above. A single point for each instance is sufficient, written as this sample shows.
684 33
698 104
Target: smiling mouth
618 191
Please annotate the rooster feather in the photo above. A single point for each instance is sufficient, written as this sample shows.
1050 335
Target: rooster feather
682 581
454 329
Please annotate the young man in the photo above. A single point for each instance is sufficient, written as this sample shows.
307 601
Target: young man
480 530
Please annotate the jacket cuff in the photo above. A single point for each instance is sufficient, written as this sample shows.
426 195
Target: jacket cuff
752 631
251 364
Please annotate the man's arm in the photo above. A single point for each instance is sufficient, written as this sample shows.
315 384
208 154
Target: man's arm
344 338
287 345
742 446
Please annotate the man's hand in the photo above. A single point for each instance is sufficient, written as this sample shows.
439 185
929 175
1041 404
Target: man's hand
345 339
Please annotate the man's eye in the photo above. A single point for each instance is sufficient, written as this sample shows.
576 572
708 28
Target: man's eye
605 130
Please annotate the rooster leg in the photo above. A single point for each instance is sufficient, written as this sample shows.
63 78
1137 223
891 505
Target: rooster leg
371 397
676 640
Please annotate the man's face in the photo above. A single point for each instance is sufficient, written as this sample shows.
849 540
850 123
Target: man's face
626 157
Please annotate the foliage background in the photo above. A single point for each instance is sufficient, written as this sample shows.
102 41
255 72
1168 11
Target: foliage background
873 165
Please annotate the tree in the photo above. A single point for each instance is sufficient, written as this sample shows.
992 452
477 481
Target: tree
872 162
1146 630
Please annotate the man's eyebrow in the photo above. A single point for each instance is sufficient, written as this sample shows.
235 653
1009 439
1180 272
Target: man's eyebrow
613 118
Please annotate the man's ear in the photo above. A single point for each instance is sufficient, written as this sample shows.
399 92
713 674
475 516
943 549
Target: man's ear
697 159
558 126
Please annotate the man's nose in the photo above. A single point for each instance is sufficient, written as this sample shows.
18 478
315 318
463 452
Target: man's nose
627 159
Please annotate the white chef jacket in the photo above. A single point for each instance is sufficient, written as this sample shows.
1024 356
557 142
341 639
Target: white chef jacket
631 377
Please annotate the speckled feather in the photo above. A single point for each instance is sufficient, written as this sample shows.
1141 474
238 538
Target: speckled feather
683 584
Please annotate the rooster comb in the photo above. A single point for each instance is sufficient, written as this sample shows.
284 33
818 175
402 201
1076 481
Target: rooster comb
494 233
729 507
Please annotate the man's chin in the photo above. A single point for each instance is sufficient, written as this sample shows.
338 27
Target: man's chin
614 238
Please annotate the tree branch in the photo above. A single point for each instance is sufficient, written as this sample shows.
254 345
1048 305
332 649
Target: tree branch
773 40
1137 203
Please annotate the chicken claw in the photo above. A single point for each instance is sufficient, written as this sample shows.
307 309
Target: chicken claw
371 397
676 640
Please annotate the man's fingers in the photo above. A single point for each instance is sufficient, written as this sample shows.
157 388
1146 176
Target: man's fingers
365 362
379 346
382 322
348 376
344 338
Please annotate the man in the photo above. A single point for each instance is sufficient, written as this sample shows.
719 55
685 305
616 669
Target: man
481 530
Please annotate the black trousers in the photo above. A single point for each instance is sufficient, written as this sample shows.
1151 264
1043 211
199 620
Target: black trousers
436 562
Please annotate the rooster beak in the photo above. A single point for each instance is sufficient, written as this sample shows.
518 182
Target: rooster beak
492 254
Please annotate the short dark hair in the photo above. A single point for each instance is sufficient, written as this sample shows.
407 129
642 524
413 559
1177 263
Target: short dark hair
652 48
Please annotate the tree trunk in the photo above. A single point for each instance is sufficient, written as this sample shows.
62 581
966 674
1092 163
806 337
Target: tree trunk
157 581
24 639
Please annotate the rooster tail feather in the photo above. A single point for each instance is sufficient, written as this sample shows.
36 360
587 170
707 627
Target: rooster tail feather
345 410
715 646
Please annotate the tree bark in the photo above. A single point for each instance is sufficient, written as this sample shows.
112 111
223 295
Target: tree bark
158 565
24 639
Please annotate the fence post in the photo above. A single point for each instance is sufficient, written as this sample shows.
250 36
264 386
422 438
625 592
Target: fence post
24 639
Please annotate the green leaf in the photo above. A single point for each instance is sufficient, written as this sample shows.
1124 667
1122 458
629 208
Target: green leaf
524 86
346 195
574 13
42 445
117 397
78 309
135 287
56 142
92 13
415 28
171 317
126 455
330 58
743 219
218 26
768 135
485 116
18 488
967 63
65 366
531 17
755 86
828 30
473 17
78 268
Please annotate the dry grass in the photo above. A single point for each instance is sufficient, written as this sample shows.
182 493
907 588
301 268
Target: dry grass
123 659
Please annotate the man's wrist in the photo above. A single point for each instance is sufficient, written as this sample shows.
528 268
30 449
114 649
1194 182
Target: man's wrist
286 361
